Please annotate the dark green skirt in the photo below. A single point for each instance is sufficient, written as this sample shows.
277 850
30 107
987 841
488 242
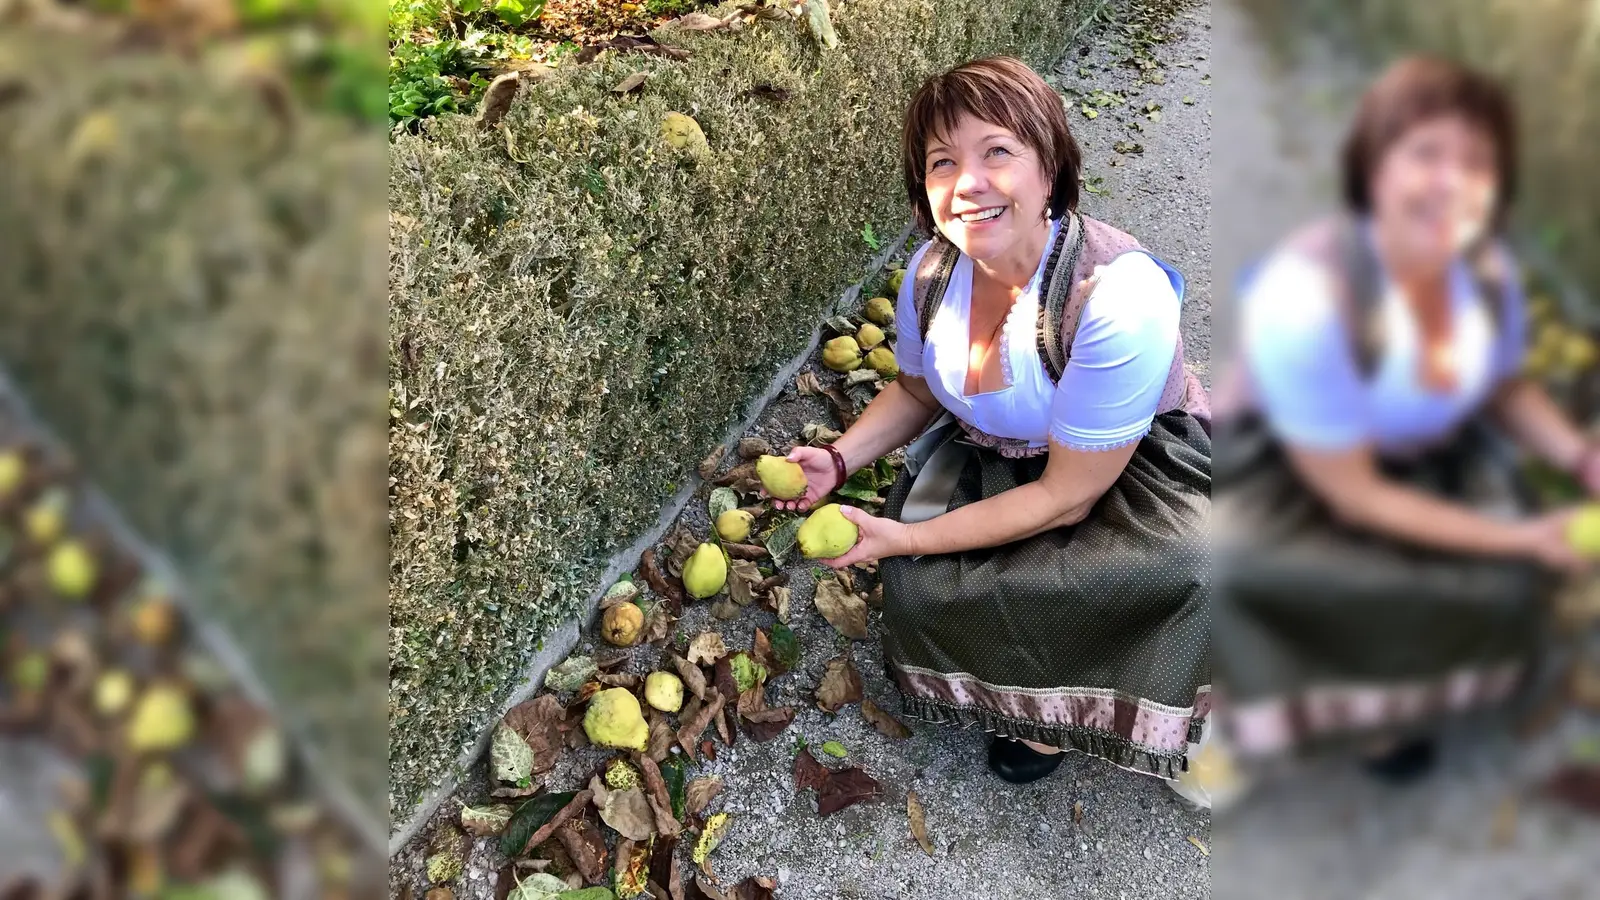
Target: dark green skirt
1327 635
1094 637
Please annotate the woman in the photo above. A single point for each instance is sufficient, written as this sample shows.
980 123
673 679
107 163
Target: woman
1043 558
1377 561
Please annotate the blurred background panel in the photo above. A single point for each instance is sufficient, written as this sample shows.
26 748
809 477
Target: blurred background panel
192 233
1492 820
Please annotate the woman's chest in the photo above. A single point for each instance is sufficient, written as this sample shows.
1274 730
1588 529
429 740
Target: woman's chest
1403 403
986 366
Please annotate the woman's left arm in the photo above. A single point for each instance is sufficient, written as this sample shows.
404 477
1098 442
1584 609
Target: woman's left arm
1104 405
1537 423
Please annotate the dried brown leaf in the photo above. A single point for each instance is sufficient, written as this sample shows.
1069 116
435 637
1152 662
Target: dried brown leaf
587 848
766 724
681 544
1077 812
845 788
875 598
699 794
746 551
656 790
844 611
743 576
738 475
630 84
670 589
761 649
708 749
664 866
843 407
808 773
807 384
693 679
629 812
707 648
919 825
723 608
887 725
619 679
841 684
691 730
722 678
751 448
539 722
497 100
780 601
699 21
708 466
661 736
725 725
658 627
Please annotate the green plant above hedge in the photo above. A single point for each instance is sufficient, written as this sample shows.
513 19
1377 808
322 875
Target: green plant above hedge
571 333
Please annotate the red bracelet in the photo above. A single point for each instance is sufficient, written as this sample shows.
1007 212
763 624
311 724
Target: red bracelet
838 465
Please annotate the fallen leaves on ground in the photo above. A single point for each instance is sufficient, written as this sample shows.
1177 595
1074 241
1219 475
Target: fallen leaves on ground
487 821
743 576
1200 845
708 466
919 825
836 790
586 846
707 648
887 725
693 679
656 791
538 818
631 83
689 733
629 813
700 793
844 610
841 684
670 589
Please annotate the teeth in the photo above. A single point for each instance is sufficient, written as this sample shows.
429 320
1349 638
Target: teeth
984 216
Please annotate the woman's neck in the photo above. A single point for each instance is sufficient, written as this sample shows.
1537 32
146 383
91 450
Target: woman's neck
1421 277
1015 268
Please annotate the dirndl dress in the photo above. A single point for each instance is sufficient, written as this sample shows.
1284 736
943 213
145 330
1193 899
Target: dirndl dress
1092 637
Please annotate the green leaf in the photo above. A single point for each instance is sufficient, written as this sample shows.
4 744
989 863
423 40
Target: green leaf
1090 113
885 471
722 500
538 886
672 774
863 485
835 749
785 645
588 893
530 817
781 542
871 237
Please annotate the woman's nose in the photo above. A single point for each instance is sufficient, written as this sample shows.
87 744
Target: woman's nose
970 180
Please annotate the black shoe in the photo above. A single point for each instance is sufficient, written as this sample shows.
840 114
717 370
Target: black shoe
1018 763
1404 764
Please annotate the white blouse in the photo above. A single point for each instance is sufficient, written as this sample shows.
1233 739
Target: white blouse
1120 361
1302 369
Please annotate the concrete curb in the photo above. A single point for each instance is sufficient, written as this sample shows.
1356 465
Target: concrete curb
559 643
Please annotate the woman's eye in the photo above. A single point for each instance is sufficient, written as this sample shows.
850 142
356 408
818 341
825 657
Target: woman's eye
938 162
993 150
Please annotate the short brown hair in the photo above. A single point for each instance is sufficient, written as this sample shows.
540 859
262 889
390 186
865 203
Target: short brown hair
1411 91
1002 91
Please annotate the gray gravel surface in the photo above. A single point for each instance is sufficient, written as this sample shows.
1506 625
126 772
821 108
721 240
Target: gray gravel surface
1162 195
990 839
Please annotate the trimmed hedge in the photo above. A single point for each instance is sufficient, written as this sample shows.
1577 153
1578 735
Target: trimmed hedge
570 333
191 298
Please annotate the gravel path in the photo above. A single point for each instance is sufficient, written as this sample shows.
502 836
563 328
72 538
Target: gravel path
1162 194
990 839
1475 829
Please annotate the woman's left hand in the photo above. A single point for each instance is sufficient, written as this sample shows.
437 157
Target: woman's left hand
878 538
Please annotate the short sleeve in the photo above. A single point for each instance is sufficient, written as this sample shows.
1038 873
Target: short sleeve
1512 342
1121 356
908 334
1297 350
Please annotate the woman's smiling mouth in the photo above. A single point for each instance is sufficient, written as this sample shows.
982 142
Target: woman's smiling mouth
980 216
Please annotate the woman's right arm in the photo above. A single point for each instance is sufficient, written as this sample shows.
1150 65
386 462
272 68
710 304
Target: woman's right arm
1299 355
1356 492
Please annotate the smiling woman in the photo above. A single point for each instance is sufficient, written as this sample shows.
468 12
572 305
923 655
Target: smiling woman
1043 556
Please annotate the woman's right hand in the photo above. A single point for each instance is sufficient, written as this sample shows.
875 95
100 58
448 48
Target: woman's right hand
1545 539
820 477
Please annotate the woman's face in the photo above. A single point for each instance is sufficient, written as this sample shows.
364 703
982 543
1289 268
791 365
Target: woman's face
1435 188
987 188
